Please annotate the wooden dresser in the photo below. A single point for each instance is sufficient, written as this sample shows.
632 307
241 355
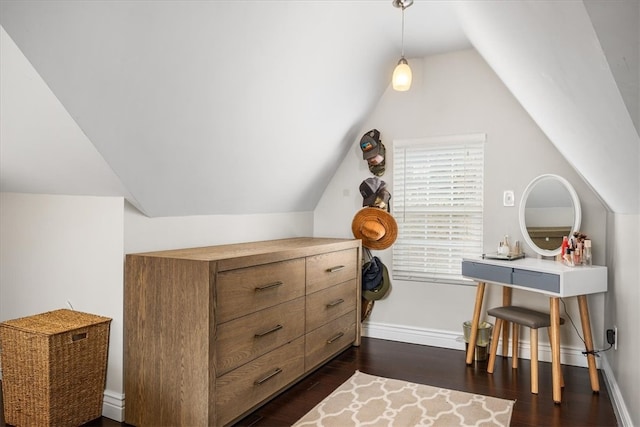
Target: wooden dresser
213 332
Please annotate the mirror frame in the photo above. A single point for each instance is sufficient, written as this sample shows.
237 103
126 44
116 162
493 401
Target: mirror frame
577 214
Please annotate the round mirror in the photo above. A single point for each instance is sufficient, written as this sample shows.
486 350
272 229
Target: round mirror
549 210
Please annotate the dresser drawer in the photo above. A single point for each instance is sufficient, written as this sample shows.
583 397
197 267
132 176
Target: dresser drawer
250 289
245 387
330 269
328 340
242 340
331 303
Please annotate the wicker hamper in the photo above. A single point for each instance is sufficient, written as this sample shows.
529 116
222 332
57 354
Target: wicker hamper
54 368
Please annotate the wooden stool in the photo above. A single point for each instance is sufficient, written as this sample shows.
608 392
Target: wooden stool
519 316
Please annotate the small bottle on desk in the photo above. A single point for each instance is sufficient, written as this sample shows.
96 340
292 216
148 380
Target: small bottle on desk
586 256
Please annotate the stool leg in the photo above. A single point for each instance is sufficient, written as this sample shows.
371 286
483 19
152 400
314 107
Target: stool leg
506 300
494 346
514 345
505 339
534 361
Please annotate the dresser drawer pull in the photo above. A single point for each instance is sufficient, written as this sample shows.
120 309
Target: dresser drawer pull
269 286
268 377
270 331
334 303
334 269
335 337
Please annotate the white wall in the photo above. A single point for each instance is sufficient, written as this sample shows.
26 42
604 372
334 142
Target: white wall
56 250
144 234
622 310
457 93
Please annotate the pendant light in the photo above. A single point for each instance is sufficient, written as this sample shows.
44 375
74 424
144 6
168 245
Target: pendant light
401 80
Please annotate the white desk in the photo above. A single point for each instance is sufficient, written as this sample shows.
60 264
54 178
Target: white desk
542 276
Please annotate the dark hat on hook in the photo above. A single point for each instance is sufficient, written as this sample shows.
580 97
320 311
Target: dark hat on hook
374 193
375 280
370 144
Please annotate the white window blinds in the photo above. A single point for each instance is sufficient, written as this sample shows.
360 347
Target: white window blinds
437 202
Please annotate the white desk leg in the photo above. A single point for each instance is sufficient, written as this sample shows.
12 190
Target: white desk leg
556 372
475 322
588 341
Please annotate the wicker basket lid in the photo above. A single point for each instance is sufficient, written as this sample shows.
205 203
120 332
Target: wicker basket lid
55 322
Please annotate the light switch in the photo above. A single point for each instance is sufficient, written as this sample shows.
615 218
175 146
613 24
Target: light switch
508 198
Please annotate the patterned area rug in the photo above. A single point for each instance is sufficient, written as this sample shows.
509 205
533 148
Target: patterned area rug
367 400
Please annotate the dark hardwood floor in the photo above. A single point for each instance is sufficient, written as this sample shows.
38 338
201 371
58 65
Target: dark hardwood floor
442 368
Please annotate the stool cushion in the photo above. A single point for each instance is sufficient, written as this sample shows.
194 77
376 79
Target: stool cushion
522 316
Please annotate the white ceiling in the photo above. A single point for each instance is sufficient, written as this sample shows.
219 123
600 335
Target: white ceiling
220 107
558 71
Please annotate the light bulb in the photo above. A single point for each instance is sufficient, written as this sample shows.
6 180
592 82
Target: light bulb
401 80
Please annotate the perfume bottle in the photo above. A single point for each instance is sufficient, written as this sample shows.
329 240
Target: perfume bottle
506 245
568 258
564 247
586 256
503 249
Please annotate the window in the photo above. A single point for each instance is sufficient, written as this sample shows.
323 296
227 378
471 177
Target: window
437 202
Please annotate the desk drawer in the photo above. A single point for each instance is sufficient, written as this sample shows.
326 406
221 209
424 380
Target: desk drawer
485 272
536 280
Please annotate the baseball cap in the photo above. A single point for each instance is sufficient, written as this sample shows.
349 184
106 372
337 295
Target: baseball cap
370 144
373 189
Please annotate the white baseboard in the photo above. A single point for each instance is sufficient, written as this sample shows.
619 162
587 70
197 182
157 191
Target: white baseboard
113 405
619 407
447 339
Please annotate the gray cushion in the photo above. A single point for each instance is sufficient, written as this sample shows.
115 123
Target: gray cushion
523 316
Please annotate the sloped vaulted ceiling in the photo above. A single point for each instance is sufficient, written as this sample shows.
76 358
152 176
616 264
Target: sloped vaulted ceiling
229 107
222 107
559 73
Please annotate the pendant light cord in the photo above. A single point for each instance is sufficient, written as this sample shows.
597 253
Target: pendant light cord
402 48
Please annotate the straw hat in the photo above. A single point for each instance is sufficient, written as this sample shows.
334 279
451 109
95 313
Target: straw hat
375 227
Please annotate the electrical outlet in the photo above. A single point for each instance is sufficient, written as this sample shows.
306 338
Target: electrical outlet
508 199
612 337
